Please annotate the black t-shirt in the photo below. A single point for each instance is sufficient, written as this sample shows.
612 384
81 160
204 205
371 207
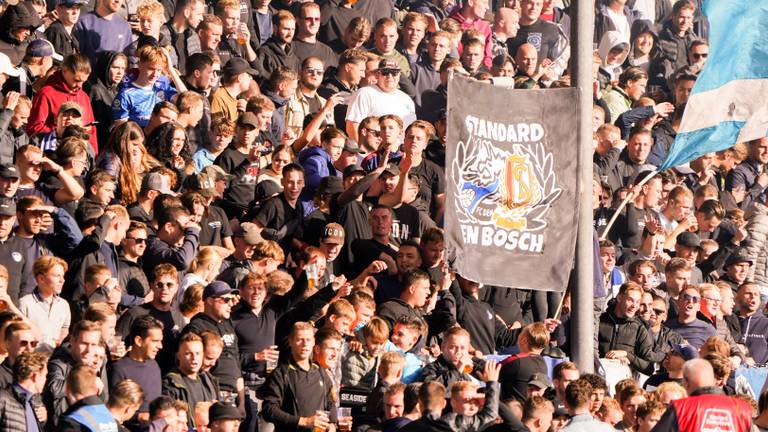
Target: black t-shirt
631 225
137 213
276 213
302 50
214 227
405 224
431 184
313 227
195 389
368 250
353 217
541 34
146 374
514 376
166 356
242 187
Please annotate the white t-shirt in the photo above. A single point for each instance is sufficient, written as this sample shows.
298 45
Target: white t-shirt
372 101
647 9
620 22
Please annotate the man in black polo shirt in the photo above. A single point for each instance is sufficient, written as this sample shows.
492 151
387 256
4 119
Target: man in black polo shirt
218 298
296 391
280 217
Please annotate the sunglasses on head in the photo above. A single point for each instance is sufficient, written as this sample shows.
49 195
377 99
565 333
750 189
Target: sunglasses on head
389 71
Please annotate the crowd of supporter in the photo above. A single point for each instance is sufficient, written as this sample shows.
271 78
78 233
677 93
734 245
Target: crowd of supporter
226 215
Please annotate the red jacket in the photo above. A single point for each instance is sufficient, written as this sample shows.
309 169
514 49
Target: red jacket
707 409
46 103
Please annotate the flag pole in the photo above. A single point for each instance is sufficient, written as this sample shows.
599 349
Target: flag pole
623 204
582 318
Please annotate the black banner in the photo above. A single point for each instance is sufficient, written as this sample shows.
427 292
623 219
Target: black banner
511 179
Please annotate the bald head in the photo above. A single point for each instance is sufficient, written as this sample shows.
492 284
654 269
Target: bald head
698 373
506 21
527 59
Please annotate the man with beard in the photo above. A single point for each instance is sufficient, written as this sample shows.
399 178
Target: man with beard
306 101
278 51
165 283
621 335
754 325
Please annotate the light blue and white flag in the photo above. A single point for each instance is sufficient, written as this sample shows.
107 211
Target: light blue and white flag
729 102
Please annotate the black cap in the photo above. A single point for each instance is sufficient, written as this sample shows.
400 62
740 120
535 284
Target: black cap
352 147
236 66
9 171
392 170
687 352
689 239
220 411
218 289
249 232
248 118
266 189
353 169
539 380
7 207
738 257
388 64
330 185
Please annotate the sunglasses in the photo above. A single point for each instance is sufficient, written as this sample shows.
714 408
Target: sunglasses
216 72
690 298
313 71
137 240
659 311
227 298
162 285
389 72
700 56
28 343
374 132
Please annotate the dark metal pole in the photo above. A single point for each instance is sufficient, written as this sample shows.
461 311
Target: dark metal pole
582 298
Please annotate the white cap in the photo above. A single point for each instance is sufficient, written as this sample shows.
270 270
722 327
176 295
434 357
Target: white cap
6 67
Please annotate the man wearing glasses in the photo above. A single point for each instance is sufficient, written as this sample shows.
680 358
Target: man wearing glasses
306 101
380 99
305 44
661 335
218 299
165 283
692 329
19 338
